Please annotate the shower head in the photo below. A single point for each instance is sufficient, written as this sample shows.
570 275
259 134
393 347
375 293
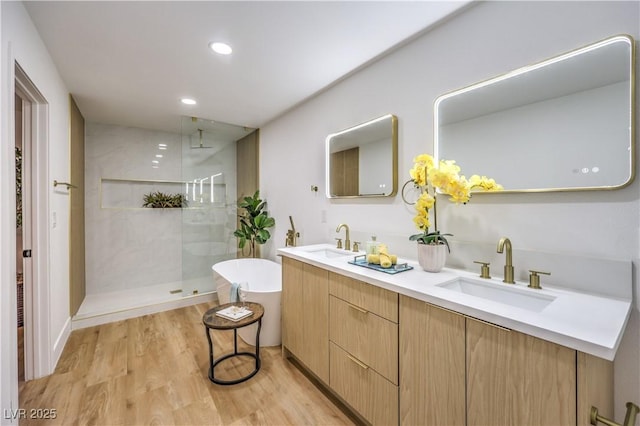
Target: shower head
201 145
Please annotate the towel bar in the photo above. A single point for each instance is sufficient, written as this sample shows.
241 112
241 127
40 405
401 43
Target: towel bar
68 185
629 420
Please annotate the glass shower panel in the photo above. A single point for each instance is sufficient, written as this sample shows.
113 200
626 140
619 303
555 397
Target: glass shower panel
209 179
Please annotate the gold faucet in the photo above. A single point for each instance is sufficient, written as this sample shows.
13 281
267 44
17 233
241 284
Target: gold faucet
292 235
508 267
347 241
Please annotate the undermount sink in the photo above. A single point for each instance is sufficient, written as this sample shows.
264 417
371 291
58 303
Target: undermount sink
329 253
507 294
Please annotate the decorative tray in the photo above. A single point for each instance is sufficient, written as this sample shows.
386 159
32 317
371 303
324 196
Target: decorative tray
395 269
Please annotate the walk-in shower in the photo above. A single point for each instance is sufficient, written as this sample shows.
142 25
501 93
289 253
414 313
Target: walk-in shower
138 258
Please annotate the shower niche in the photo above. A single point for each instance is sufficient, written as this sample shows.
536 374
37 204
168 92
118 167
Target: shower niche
131 193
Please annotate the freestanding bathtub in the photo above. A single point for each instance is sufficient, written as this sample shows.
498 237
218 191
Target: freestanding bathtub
264 279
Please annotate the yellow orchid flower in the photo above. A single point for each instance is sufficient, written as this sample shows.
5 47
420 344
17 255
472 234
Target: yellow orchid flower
449 166
424 160
459 190
446 178
485 183
425 201
418 175
422 222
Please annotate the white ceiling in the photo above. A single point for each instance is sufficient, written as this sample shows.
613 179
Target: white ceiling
129 63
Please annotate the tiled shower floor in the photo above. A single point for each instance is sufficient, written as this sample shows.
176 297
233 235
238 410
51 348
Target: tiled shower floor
113 306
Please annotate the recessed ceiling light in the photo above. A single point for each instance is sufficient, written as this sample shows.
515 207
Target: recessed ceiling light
188 101
221 48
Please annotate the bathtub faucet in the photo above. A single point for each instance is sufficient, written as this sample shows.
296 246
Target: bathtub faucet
292 235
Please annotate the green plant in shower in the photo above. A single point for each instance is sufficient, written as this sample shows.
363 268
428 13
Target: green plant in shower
161 200
254 222
18 187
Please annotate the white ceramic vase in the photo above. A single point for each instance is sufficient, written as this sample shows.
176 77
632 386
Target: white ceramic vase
432 257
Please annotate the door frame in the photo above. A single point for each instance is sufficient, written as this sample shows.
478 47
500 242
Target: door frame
35 123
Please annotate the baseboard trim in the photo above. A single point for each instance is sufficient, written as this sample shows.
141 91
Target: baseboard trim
59 344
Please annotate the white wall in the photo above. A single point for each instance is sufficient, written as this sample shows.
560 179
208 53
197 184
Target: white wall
486 40
21 43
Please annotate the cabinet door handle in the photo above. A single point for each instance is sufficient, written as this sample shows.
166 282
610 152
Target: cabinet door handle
357 308
360 363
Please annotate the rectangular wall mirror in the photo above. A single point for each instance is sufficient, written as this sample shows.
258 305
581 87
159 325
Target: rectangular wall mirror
362 161
563 124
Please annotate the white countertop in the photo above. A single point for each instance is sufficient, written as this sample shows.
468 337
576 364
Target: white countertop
585 322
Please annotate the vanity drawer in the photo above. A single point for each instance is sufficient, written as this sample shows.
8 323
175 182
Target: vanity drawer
371 395
374 299
370 338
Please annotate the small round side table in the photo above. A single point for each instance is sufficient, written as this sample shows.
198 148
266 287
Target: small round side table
212 321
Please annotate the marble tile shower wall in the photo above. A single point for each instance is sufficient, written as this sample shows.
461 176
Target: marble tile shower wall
126 246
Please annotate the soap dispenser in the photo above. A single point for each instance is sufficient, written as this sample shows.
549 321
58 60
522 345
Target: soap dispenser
371 247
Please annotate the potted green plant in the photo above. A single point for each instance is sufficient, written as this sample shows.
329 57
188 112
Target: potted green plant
254 222
161 200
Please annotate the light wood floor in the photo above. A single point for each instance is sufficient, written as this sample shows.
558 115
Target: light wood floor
153 370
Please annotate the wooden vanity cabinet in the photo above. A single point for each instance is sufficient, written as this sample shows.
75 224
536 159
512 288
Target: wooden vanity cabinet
458 370
432 365
595 387
305 315
292 309
516 379
363 335
395 359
